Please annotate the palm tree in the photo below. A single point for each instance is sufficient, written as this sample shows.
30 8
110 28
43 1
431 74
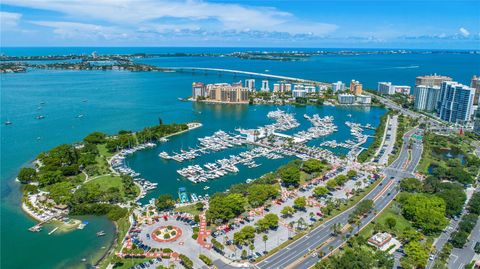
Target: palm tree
265 238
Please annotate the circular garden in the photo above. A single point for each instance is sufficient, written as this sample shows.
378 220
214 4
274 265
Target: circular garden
166 233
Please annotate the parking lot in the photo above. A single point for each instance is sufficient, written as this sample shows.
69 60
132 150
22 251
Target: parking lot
299 220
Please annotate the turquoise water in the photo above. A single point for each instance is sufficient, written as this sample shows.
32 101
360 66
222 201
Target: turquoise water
227 118
124 100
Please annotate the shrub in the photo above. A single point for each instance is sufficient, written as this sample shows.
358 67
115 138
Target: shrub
205 259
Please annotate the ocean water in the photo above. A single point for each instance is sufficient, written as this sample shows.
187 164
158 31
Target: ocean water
124 100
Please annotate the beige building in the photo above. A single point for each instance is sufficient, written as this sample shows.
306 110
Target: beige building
227 93
356 87
431 80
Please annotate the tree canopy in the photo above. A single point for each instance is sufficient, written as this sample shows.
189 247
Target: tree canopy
425 211
223 207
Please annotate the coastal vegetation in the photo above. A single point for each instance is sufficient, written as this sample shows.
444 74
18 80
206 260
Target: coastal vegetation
77 177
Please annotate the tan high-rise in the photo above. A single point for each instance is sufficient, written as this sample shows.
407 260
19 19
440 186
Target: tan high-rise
356 87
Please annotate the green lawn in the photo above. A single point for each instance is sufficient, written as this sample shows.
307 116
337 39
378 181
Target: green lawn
191 209
103 150
107 181
390 212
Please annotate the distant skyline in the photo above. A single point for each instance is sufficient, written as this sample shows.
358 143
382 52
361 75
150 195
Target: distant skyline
319 24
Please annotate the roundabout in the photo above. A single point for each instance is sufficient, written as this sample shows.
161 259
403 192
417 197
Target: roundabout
164 234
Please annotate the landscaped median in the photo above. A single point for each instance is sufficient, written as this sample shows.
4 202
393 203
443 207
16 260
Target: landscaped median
367 154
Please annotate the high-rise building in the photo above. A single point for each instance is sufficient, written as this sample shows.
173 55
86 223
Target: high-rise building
455 103
431 80
299 93
385 88
198 90
288 87
338 86
346 98
426 97
355 87
250 84
363 99
265 87
276 87
226 93
475 83
310 89
401 89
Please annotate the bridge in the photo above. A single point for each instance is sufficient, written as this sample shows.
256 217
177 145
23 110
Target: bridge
246 73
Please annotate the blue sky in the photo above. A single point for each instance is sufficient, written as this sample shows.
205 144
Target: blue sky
274 23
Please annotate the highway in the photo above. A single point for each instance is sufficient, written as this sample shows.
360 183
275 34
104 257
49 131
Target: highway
298 254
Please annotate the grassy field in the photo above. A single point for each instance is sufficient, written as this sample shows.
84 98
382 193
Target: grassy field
191 209
107 181
103 150
390 212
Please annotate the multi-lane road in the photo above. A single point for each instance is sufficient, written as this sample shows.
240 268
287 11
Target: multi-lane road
301 253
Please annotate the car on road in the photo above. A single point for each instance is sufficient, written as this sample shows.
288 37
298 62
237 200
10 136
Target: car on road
477 248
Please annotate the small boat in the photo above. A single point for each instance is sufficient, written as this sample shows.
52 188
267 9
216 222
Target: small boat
85 100
8 122
82 225
84 260
40 117
42 102
206 187
101 233
349 115
80 116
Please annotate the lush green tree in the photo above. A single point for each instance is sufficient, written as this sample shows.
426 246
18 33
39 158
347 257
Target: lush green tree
357 257
474 203
331 184
223 207
50 177
312 166
320 191
27 175
258 194
244 236
300 203
416 253
186 261
410 234
341 179
287 211
289 174
425 211
61 192
454 197
351 174
269 221
95 138
165 202
411 184
391 222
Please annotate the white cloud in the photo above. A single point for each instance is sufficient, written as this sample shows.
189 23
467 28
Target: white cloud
464 32
158 14
82 30
9 20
